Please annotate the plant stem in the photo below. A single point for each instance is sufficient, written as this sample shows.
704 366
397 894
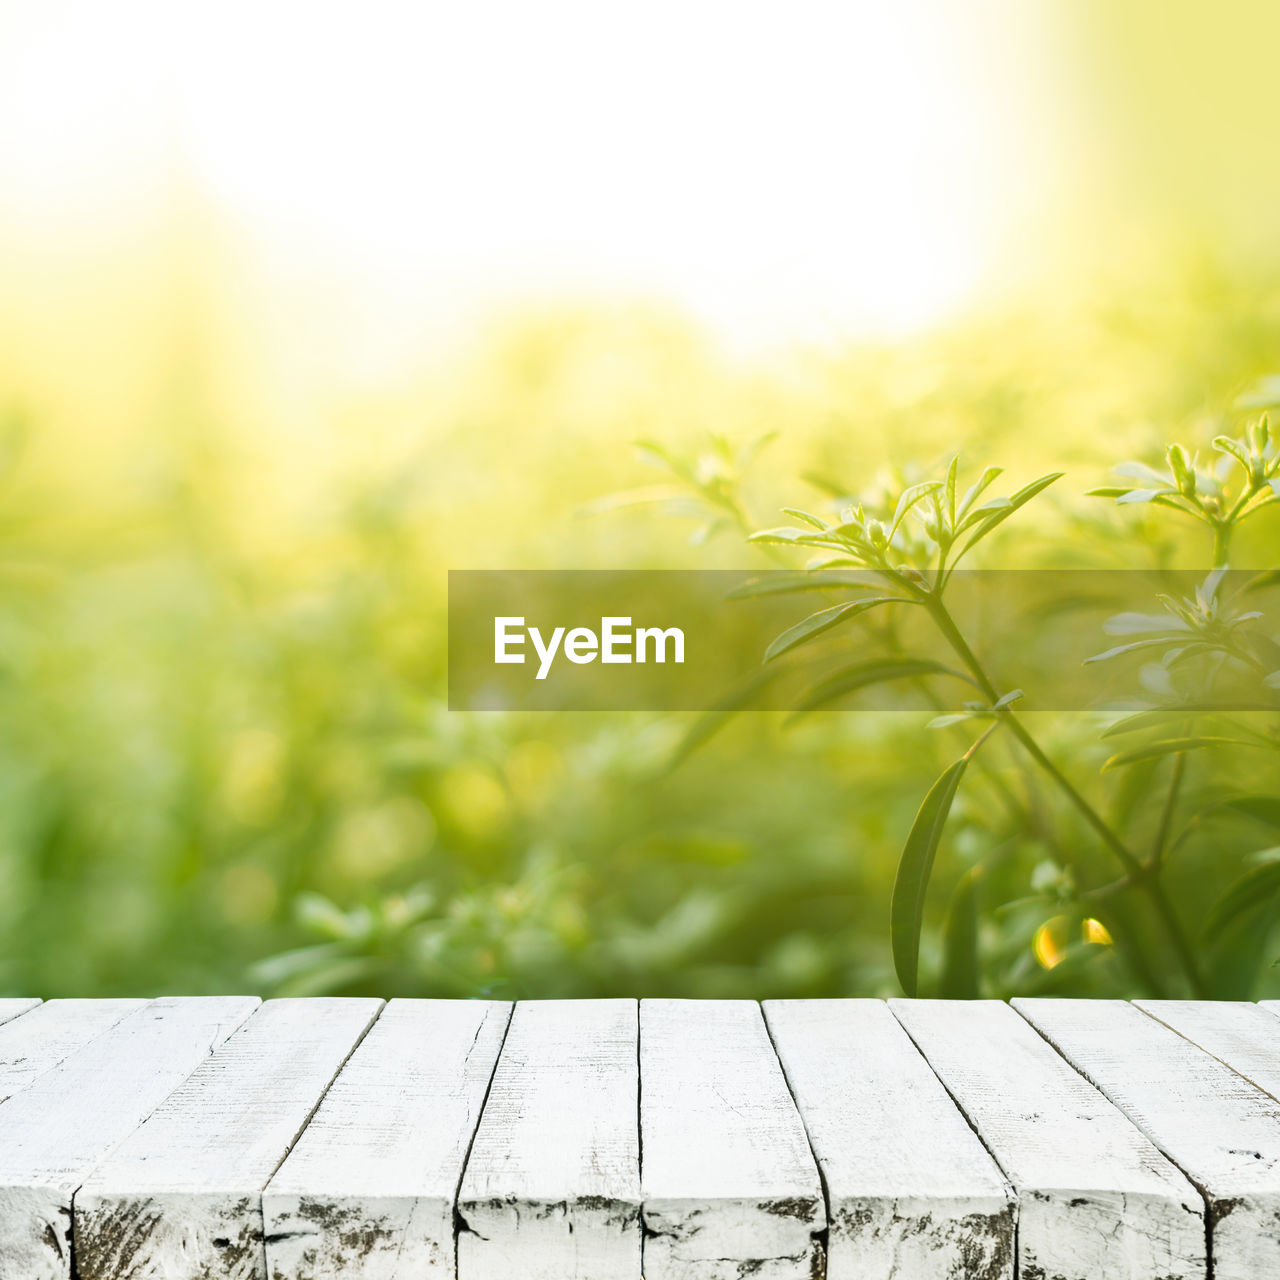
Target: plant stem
1145 877
1017 810
1166 813
1068 788
1221 543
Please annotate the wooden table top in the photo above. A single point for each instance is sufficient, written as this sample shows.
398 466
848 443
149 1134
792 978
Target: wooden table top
186 1138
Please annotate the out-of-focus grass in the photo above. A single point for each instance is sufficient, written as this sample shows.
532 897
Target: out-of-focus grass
222 738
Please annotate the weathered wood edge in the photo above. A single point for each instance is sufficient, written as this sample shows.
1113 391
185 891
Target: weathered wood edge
1129 1053
773 1221
1142 1217
540 1219
371 1223
46 1149
15 1006
132 1216
952 1210
48 1034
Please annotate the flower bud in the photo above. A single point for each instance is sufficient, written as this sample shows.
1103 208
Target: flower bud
1183 473
1260 435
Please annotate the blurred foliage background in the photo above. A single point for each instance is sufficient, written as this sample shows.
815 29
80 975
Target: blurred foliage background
225 762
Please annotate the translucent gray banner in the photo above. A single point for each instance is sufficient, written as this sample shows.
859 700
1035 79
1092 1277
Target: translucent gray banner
782 640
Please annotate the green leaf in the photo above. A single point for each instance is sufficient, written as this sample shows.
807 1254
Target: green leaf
1133 789
1155 498
1183 711
1264 809
1252 890
914 868
316 913
960 970
1183 654
711 721
817 623
785 534
851 531
1266 650
909 499
948 720
1262 581
275 970
338 975
780 583
1146 474
979 514
644 496
1225 444
1142 624
863 674
655 454
989 476
1173 746
805 517
1144 495
1233 964
1000 515
1155 642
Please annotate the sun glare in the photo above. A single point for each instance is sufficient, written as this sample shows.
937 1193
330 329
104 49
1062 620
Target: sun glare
840 168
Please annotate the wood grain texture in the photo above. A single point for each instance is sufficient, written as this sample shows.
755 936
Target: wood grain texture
16 1006
54 1133
369 1190
551 1190
730 1185
1216 1126
50 1033
911 1192
1096 1200
1244 1036
181 1198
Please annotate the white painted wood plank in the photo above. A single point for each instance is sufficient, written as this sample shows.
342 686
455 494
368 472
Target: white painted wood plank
1244 1036
369 1190
1218 1128
1096 1200
57 1130
730 1185
38 1041
181 1198
911 1192
15 1006
552 1187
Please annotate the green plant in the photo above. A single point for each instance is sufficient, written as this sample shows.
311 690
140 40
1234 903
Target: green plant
910 536
1222 494
222 678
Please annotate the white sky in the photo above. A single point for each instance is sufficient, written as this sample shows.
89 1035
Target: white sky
779 170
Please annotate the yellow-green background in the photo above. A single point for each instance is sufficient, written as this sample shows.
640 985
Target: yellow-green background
223 552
